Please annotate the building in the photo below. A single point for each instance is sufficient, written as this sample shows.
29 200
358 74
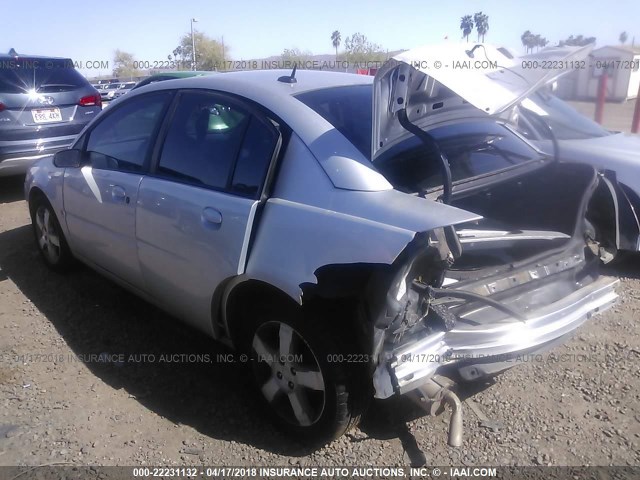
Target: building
622 64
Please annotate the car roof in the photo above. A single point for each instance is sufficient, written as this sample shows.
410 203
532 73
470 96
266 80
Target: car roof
266 81
4 57
181 74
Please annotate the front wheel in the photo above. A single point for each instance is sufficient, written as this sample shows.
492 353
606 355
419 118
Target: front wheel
310 396
49 237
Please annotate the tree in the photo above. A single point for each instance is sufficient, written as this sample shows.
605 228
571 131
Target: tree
482 24
528 40
123 64
466 25
358 49
335 41
623 38
295 55
577 41
209 52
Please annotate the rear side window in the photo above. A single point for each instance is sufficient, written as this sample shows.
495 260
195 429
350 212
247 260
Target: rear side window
214 143
43 75
121 141
254 159
348 109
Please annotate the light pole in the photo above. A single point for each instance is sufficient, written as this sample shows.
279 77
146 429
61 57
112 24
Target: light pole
193 45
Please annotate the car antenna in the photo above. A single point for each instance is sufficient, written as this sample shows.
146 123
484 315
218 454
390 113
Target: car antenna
290 78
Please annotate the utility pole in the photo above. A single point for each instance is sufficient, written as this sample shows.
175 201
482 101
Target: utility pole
193 45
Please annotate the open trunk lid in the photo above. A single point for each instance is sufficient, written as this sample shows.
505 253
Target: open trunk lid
447 82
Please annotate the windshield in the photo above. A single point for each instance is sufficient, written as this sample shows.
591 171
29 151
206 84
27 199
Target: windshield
348 109
42 75
565 122
473 148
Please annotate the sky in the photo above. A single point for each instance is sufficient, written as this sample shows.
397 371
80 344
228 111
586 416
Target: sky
150 29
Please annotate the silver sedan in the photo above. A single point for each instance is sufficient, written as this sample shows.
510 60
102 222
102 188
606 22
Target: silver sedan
253 206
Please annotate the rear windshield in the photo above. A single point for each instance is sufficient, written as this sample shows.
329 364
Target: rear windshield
348 109
42 75
565 122
473 148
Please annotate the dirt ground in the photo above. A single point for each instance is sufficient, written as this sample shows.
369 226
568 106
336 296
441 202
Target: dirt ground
616 116
71 392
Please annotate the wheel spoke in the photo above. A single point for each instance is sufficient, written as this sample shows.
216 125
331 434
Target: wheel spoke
41 241
264 352
300 406
39 222
286 337
46 219
270 389
54 240
310 379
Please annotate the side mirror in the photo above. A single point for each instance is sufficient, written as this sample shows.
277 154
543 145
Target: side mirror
68 159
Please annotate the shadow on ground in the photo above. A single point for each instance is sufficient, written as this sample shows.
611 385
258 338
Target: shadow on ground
11 189
627 265
95 316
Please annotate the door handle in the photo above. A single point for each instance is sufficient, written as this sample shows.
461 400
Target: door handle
119 194
211 215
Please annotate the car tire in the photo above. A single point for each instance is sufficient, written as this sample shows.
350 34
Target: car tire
49 238
303 380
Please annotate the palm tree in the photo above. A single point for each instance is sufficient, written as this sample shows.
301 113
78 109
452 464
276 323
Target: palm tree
531 41
482 24
537 40
466 25
335 40
623 38
527 40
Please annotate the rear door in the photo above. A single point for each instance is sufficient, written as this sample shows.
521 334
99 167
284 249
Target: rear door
100 198
196 210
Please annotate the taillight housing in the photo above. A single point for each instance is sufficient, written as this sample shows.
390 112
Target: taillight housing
91 100
2 107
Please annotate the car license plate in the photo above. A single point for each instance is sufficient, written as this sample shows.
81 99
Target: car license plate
46 115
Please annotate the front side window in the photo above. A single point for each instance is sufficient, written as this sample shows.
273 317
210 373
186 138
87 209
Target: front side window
122 140
213 142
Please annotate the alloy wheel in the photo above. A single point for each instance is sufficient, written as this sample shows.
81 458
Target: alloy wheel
47 234
288 373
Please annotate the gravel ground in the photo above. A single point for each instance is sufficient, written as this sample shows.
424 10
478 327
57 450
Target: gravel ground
61 402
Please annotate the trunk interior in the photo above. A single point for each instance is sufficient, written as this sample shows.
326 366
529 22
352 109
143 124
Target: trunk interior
548 205
531 250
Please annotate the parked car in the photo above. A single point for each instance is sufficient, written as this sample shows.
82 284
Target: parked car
109 91
160 77
543 118
122 89
255 206
44 103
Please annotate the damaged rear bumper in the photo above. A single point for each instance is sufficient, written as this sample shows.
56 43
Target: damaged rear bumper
477 349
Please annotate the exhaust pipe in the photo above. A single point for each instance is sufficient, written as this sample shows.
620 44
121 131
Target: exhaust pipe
455 424
437 391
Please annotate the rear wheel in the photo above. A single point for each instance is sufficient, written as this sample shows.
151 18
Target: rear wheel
49 237
303 379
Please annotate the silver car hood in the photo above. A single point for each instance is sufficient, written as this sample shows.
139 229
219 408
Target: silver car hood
438 83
